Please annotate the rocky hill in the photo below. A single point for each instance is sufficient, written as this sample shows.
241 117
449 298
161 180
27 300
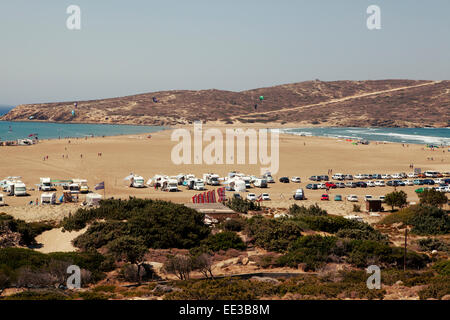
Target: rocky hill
401 103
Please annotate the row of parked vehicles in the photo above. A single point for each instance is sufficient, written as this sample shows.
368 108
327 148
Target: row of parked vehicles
377 176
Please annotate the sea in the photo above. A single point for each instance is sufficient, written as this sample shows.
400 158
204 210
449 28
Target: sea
427 136
43 130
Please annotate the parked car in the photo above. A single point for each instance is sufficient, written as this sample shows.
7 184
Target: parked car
312 186
330 185
361 184
350 185
338 176
371 183
251 197
382 198
299 195
392 183
314 178
237 196
321 186
380 183
348 177
429 182
324 197
265 197
418 182
359 176
412 175
352 198
408 182
338 197
340 184
284 180
376 176
296 179
324 178
368 197
386 176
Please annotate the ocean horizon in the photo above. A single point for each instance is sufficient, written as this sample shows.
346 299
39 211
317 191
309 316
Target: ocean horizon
435 136
48 130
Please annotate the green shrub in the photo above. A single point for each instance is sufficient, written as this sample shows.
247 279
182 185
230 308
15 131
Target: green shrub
430 244
224 241
403 216
160 224
272 234
396 199
242 205
28 231
235 225
429 220
442 267
53 295
438 288
433 198
313 210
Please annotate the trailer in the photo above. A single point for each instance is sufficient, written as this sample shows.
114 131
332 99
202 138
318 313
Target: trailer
48 198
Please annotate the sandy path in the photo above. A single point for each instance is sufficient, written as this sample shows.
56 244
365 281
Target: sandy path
57 241
336 100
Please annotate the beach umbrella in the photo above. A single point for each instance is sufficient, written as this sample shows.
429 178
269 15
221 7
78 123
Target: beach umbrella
261 98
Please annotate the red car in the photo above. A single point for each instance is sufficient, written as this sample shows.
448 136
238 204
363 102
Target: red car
330 185
325 197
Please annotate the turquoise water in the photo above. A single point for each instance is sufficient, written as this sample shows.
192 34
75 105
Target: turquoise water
436 136
19 130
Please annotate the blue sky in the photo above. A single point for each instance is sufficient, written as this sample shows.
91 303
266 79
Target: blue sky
136 46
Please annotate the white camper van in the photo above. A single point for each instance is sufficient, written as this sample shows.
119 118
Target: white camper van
260 183
211 179
20 189
48 198
45 184
199 185
137 182
170 185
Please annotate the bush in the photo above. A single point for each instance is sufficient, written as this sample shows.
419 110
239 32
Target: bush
442 267
28 231
430 244
224 241
433 198
313 210
313 251
356 208
160 224
242 205
53 295
436 289
272 234
429 220
234 225
402 216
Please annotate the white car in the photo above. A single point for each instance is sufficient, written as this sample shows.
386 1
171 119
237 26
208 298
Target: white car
348 177
359 176
321 186
386 176
296 179
380 183
396 176
352 198
441 189
265 197
371 184
438 180
251 197
368 197
412 175
408 182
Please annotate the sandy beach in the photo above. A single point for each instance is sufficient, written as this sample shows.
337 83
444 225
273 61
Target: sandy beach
139 154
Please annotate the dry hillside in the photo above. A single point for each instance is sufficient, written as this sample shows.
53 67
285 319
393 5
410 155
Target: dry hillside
402 103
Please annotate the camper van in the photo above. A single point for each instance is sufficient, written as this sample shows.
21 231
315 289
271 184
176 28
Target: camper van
170 185
48 198
20 189
260 183
137 182
45 184
199 185
211 179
